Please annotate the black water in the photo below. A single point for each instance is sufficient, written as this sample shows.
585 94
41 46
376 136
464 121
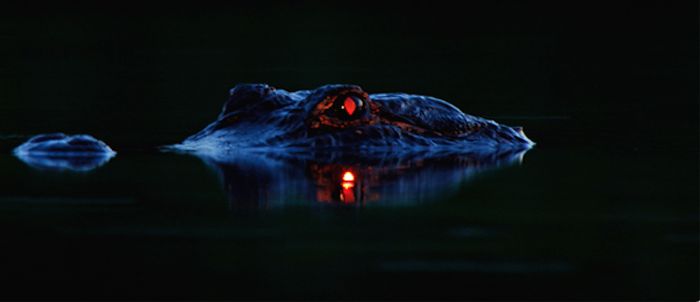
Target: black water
604 207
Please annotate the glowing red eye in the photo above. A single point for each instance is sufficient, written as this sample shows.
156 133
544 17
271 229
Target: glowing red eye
349 105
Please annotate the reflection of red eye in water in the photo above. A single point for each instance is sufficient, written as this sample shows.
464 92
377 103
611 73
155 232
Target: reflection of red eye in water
348 176
348 195
349 105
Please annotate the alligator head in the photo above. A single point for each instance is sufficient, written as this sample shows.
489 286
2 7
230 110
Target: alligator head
347 117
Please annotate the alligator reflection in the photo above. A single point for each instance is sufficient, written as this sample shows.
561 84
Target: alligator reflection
266 180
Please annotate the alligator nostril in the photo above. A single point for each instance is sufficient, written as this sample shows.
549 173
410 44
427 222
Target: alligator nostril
519 130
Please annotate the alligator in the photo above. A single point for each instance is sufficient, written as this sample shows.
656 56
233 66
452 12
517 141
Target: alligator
311 124
338 144
345 117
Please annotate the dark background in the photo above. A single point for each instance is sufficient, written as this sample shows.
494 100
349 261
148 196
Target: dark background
604 207
595 73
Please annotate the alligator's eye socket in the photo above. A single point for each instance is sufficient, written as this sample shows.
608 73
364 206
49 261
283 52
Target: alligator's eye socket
349 106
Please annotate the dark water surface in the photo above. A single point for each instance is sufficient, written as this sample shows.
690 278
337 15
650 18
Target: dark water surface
604 207
563 223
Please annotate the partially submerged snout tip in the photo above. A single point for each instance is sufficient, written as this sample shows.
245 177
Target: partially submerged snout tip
521 132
